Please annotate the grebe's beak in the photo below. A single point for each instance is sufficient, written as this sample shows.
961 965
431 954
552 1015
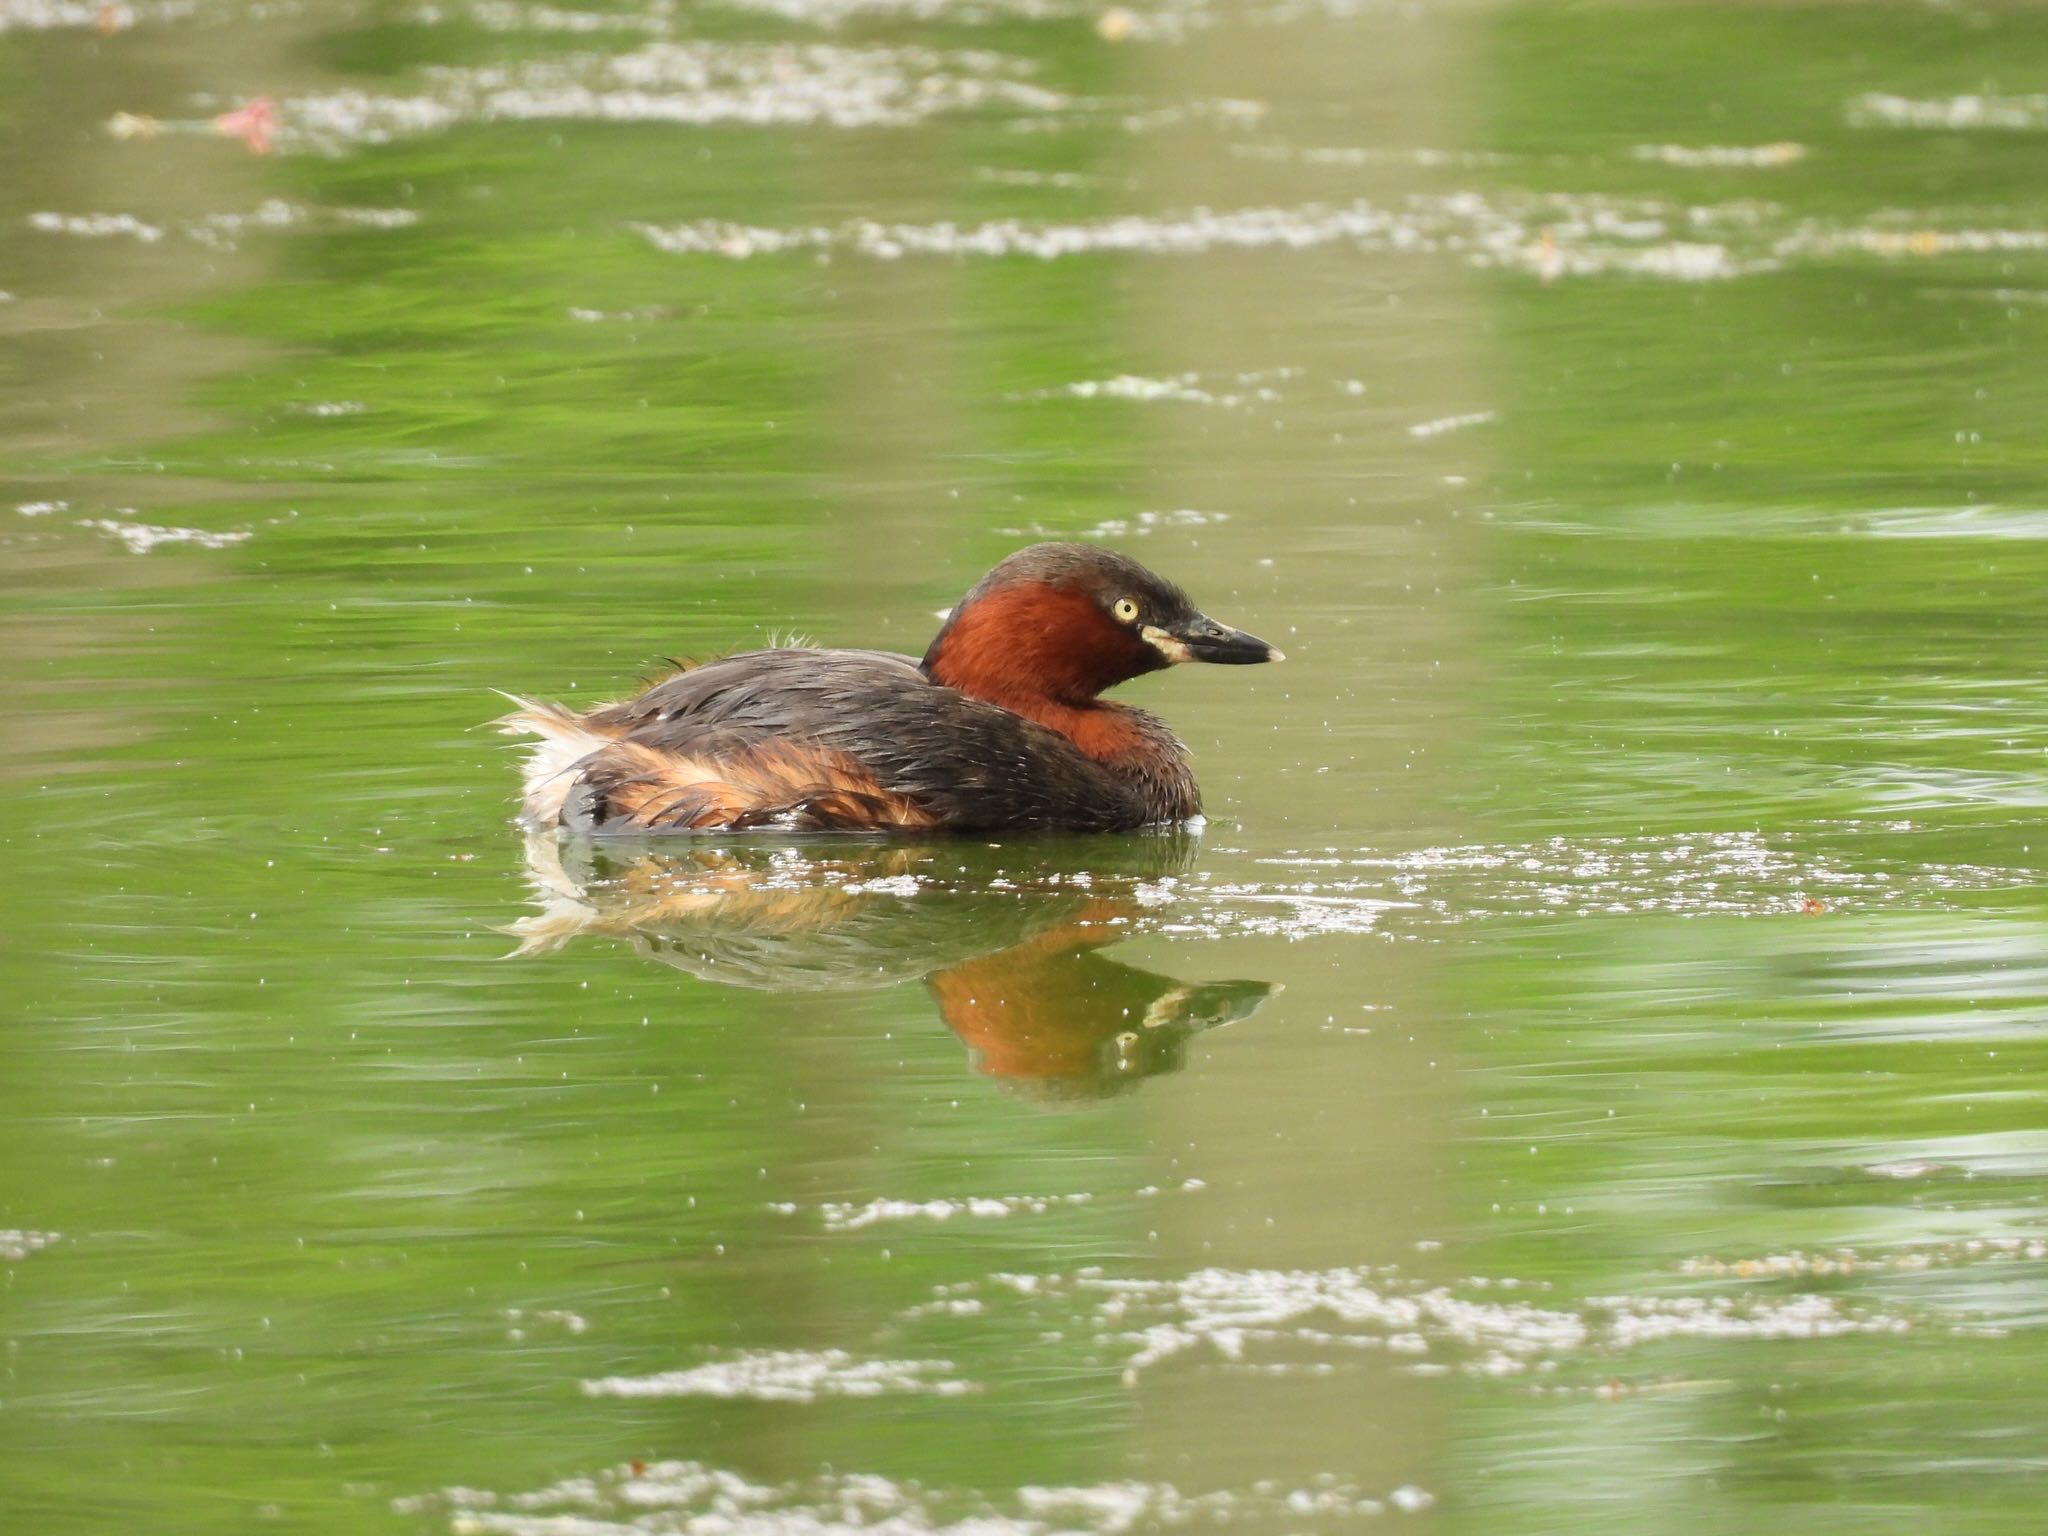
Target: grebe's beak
1203 639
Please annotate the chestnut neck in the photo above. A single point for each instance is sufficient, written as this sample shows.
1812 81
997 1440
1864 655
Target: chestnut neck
1044 653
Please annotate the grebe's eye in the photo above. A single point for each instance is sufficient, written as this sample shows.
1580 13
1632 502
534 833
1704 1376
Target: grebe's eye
1126 610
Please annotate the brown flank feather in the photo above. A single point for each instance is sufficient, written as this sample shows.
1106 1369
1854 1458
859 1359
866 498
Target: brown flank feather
769 784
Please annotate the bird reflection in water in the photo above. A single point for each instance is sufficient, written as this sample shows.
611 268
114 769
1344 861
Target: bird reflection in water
1010 948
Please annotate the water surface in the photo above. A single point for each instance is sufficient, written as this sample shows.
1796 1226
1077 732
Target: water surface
1585 1073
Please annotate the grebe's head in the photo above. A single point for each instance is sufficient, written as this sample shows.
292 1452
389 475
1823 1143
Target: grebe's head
1066 621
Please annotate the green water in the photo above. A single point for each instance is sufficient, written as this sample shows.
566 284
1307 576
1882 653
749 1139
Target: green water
1585 1075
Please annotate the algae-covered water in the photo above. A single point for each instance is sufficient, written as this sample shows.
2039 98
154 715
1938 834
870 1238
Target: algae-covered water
1587 1074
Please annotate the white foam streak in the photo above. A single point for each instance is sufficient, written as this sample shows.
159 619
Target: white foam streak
687 1498
846 1217
1475 1327
1722 156
1443 424
790 1376
1552 237
17 1244
1877 109
686 82
142 538
97 15
221 231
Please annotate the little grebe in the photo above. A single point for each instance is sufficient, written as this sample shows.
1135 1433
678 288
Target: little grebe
998 727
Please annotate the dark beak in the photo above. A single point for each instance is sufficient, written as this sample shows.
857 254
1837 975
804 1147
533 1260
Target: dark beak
1206 640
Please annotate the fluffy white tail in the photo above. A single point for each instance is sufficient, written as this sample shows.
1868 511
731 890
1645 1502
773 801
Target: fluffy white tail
565 741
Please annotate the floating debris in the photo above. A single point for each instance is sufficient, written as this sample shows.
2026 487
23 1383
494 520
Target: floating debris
1066 181
522 1319
1115 25
97 226
518 16
1722 156
134 125
1160 21
834 14
1133 387
1476 1327
695 82
1197 231
17 1244
1375 154
99 16
223 231
1224 111
1549 236
688 1498
630 316
254 123
1143 525
1147 523
142 538
1597 238
1906 1168
1875 109
790 1376
843 1217
1443 424
1839 1262
1182 388
1729 873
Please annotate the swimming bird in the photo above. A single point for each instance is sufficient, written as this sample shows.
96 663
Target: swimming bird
1000 727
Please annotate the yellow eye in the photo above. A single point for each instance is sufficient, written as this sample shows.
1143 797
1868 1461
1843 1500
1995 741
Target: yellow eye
1125 609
